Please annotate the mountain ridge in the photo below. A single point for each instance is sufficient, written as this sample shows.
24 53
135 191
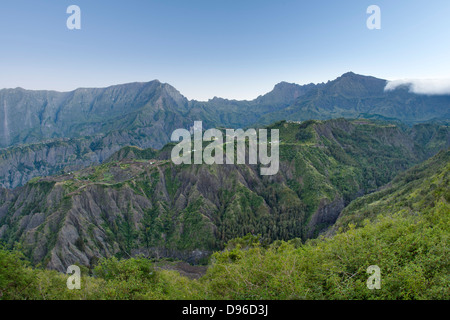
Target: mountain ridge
94 123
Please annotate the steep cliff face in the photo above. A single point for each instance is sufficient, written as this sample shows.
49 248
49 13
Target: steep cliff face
412 193
33 116
54 131
140 203
325 216
129 208
20 164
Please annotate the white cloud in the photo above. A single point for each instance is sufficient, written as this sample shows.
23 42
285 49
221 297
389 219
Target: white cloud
421 86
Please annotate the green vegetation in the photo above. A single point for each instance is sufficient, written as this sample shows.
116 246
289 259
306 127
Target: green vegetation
131 205
112 279
403 229
411 192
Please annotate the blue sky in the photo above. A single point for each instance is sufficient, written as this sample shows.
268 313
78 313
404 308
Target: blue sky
227 48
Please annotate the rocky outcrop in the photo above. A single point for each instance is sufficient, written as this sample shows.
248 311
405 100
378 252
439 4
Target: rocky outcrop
325 216
20 164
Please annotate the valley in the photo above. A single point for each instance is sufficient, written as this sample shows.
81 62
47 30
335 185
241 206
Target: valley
140 202
88 180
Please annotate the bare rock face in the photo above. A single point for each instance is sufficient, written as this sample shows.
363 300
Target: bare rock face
41 115
61 226
326 215
20 164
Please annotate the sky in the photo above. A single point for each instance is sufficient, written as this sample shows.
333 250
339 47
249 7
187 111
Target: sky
236 49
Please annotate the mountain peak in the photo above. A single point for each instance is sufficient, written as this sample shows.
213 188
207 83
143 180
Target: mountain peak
285 92
352 84
356 77
284 84
349 74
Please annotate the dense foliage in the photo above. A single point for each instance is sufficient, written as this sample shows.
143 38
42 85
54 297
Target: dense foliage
404 231
140 202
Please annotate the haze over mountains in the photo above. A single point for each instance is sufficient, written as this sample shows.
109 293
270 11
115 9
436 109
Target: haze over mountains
45 132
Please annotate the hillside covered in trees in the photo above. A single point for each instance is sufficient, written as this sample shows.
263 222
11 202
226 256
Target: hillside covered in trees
403 229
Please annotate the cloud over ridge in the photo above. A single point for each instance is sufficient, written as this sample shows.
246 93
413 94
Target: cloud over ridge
421 86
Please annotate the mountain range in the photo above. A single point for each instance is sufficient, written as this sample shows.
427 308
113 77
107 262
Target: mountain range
48 132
